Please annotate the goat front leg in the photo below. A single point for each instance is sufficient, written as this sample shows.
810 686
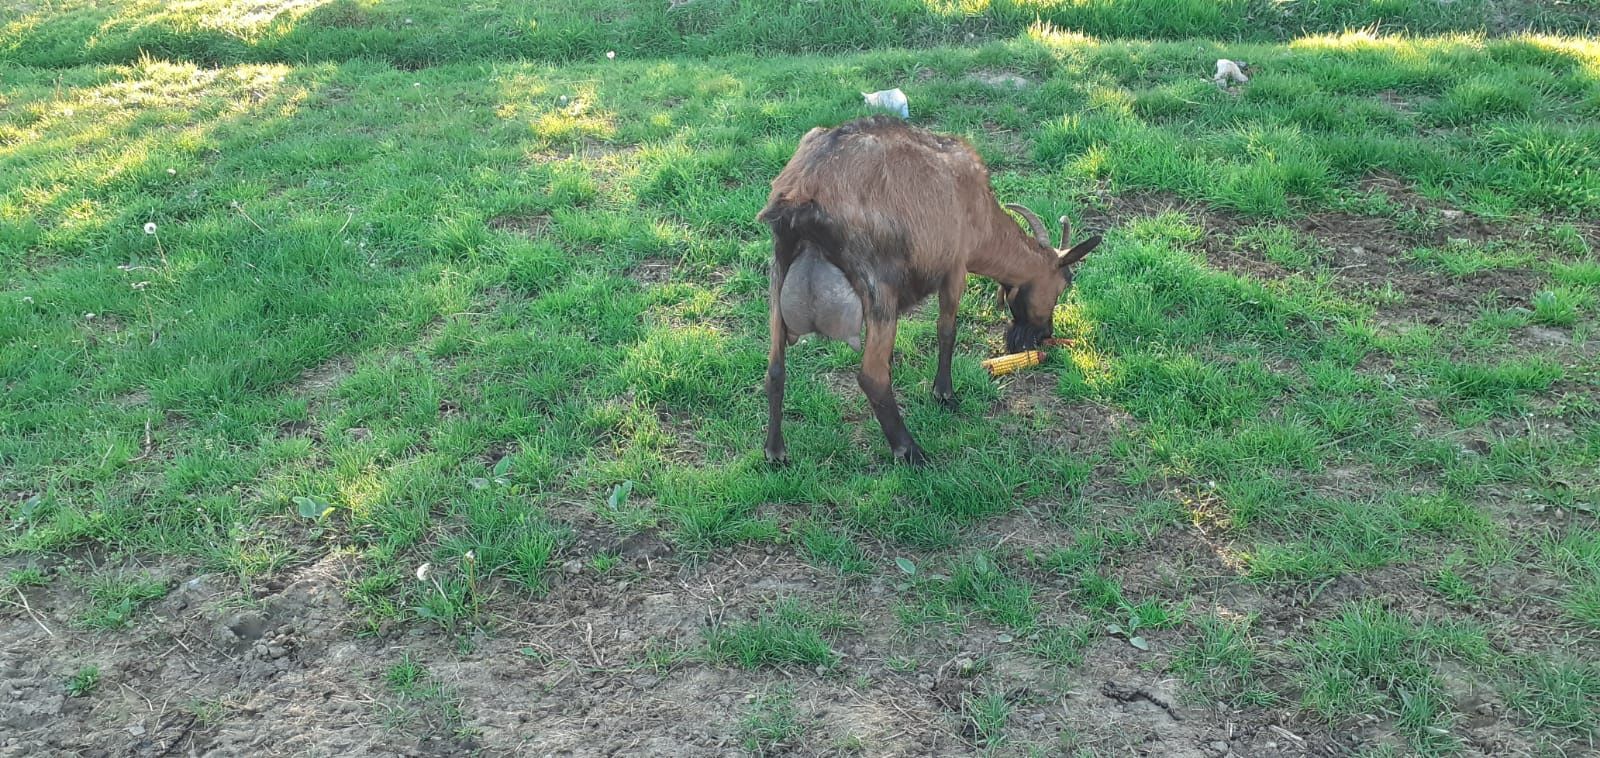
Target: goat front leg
777 452
879 389
949 300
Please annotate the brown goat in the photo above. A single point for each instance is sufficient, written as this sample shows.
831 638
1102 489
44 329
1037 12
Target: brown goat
902 212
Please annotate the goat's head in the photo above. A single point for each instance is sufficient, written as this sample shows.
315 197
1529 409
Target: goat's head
1033 302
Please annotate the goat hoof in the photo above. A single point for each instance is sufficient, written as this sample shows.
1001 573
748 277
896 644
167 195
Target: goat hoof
946 399
778 457
912 456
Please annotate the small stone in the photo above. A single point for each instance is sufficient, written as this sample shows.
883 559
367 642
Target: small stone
1451 214
573 567
275 651
1221 746
16 694
1272 746
1358 250
261 649
136 730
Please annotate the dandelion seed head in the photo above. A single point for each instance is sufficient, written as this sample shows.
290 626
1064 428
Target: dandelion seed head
611 55
423 571
150 227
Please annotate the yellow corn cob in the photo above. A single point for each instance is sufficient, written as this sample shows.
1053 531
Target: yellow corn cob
1006 364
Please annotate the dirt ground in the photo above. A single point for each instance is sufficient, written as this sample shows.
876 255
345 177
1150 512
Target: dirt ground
208 672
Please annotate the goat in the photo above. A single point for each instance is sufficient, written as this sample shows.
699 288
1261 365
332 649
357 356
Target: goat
896 213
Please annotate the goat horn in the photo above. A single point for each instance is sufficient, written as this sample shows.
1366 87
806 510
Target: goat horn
1039 232
1066 233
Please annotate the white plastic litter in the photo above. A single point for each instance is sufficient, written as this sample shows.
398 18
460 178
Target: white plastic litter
892 100
1229 71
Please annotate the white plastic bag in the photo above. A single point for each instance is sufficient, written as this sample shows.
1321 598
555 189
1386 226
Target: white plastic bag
892 100
1230 72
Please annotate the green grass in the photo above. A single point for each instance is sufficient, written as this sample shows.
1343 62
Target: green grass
83 682
415 33
787 633
1371 658
465 293
988 714
1221 660
115 599
770 722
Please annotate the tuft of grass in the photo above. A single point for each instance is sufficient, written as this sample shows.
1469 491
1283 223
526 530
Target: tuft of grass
1576 557
1220 662
1556 692
1454 587
827 547
979 582
116 598
1371 658
406 676
27 576
987 715
786 633
83 682
770 722
1063 645
1560 306
1281 245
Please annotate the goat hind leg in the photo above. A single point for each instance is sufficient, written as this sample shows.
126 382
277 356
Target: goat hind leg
777 372
876 384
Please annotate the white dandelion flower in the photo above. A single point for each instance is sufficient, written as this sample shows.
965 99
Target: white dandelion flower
611 55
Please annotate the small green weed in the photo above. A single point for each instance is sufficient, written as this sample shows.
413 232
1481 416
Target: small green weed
770 722
406 676
84 681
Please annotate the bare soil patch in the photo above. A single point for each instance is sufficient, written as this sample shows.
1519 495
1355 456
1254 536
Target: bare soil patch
526 224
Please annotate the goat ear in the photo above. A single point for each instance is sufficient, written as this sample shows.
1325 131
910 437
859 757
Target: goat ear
1078 251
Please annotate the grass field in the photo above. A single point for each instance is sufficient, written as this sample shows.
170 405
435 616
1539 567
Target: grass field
382 378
